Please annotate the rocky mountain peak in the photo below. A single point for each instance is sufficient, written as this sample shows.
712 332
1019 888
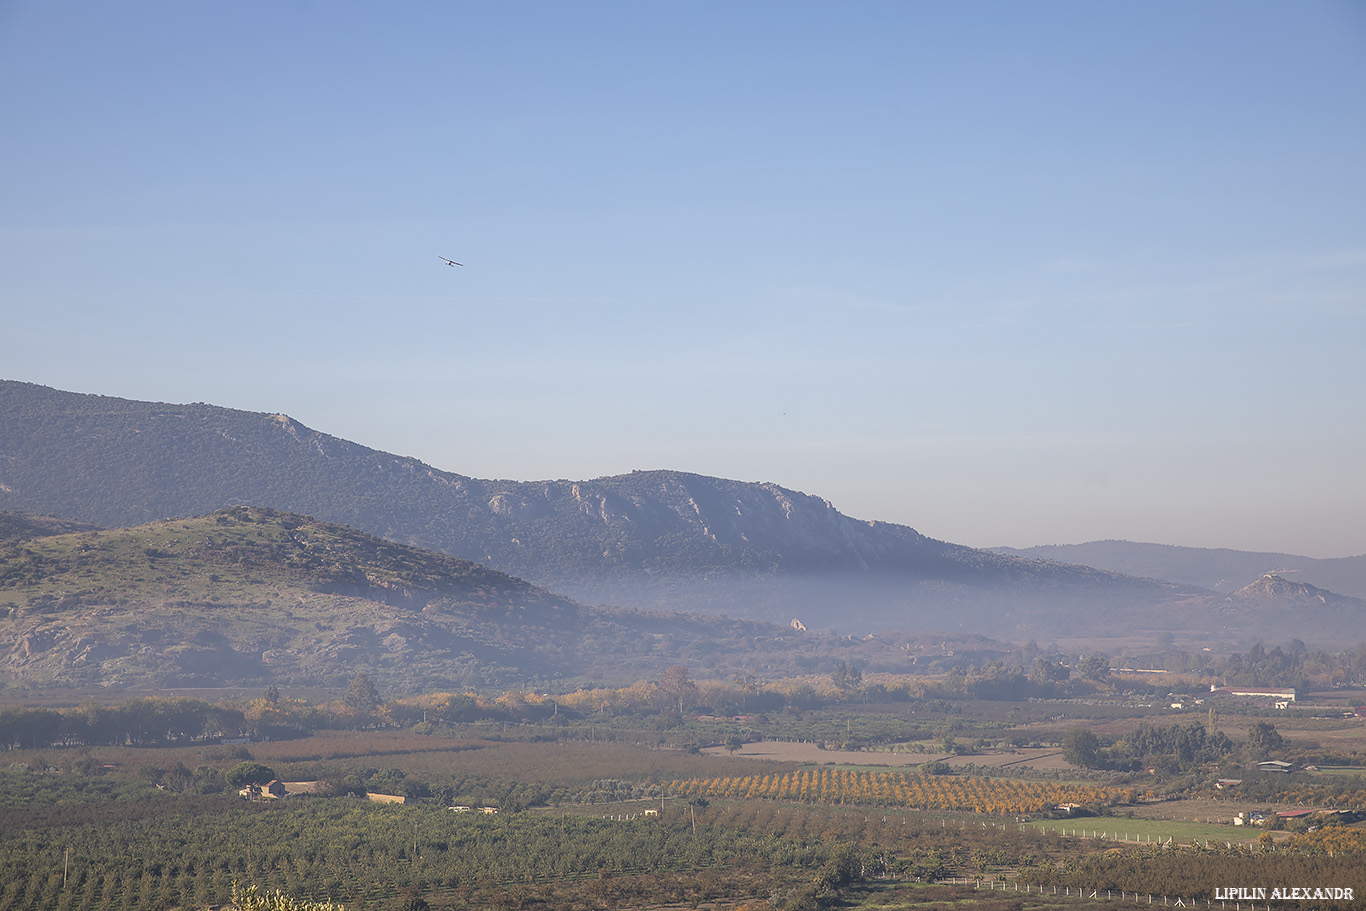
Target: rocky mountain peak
1273 587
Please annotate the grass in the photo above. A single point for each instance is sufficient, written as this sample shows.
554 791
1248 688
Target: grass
1124 829
1344 771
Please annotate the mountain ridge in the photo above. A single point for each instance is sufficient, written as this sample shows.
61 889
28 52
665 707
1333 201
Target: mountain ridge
1217 569
654 540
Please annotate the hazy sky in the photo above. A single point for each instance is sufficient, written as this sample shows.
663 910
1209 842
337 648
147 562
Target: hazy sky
1010 273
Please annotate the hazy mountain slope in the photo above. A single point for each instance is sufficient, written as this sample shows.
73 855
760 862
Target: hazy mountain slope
1293 610
117 462
15 525
1216 569
251 595
657 538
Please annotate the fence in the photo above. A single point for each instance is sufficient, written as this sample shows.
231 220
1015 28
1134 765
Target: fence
1103 894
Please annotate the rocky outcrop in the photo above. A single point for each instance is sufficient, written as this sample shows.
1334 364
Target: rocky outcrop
1274 589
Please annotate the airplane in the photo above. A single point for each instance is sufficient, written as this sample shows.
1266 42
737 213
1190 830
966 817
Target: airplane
449 262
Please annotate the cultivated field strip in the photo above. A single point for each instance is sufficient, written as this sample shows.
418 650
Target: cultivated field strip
1002 797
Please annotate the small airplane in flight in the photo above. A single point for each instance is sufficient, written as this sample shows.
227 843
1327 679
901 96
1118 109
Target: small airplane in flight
449 262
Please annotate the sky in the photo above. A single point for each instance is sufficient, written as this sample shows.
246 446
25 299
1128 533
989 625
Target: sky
1008 273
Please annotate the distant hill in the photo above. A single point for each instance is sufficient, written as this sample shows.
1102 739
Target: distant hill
254 595
15 526
1215 569
1294 610
655 539
1273 589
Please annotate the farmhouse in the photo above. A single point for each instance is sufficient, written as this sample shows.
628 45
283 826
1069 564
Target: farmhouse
1250 819
273 790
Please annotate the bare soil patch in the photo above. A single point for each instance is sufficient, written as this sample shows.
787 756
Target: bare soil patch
1046 758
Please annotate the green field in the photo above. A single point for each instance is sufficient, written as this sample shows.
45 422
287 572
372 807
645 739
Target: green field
1125 830
1344 771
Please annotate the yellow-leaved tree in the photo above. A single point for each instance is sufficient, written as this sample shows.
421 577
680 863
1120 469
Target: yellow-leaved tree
253 899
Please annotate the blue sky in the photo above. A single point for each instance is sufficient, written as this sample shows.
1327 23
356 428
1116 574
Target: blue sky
1009 273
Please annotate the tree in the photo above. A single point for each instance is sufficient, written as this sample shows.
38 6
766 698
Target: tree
675 684
842 868
845 676
252 899
245 773
734 742
413 900
1094 667
1081 747
1262 740
361 696
1047 672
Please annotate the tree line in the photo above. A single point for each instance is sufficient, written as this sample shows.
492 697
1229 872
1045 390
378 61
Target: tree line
1168 748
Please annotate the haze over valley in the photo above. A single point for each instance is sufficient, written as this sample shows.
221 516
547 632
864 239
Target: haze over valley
651 540
682 455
